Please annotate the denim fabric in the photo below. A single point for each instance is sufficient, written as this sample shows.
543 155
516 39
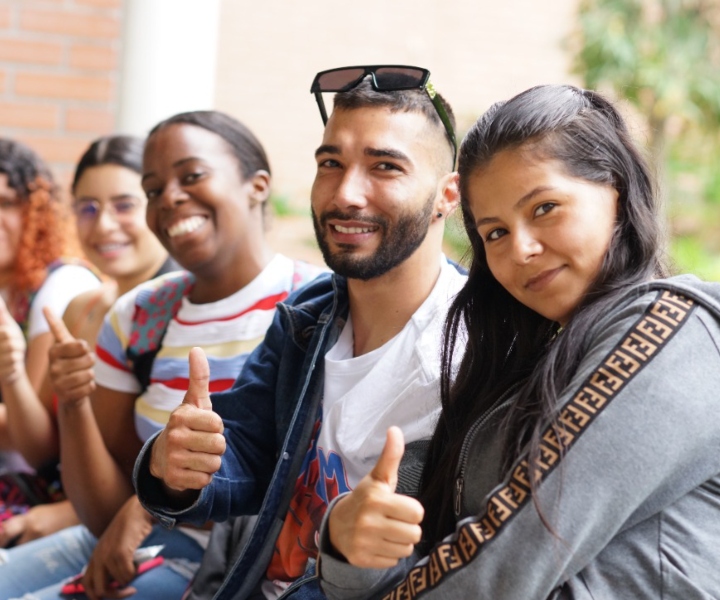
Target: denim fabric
38 569
269 416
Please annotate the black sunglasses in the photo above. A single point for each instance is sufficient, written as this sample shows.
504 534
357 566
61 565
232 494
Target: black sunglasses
385 78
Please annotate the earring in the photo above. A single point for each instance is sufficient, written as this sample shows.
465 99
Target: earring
439 215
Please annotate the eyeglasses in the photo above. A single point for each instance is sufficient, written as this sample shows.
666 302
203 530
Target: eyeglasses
385 78
122 209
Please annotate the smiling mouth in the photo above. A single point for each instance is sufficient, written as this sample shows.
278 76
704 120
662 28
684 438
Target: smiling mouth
109 248
537 283
186 226
354 230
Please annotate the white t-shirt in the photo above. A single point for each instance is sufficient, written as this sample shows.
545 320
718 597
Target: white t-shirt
396 384
60 287
228 330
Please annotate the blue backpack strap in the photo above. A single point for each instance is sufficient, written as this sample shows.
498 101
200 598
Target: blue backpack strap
153 312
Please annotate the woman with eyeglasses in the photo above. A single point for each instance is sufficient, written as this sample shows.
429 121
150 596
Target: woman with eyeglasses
577 455
109 206
207 181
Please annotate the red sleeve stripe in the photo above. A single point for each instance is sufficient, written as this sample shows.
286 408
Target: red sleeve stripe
267 303
182 383
108 358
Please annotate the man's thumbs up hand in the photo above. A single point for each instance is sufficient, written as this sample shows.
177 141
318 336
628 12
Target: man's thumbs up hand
386 468
189 450
373 527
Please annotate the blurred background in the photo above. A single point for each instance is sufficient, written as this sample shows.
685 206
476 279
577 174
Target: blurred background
71 70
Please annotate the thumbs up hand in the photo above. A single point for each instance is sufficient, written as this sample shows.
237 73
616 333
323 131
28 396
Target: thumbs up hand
12 347
71 364
373 527
189 450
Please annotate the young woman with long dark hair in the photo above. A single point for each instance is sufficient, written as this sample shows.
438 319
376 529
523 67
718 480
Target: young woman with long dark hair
577 452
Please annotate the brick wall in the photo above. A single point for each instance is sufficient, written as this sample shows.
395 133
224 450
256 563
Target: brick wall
59 70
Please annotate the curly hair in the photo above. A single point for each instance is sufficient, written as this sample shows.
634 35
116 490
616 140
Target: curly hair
44 222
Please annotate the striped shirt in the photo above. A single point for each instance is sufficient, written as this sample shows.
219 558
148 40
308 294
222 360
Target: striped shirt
228 330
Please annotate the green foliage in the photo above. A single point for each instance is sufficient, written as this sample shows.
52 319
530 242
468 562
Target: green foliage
661 55
282 206
691 256
457 245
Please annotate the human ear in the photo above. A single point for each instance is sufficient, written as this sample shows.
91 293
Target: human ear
260 192
448 197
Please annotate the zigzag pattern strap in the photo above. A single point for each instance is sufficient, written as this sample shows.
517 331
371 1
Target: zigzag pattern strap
655 328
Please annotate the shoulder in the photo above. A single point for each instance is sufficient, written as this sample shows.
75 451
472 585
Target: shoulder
69 276
149 291
671 300
663 323
319 291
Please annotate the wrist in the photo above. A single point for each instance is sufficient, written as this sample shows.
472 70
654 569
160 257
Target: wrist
72 405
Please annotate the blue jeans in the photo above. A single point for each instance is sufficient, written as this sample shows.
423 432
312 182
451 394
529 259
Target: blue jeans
37 570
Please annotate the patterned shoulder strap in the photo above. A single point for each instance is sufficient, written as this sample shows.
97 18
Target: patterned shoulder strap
153 312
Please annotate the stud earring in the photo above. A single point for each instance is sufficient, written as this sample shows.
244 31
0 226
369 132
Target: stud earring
439 215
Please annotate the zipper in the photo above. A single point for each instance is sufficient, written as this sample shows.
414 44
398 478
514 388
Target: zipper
469 438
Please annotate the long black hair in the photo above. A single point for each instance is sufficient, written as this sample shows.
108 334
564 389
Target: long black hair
507 342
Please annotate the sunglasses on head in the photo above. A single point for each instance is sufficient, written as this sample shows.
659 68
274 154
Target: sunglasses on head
384 78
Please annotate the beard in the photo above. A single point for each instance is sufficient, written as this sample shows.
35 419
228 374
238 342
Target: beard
397 242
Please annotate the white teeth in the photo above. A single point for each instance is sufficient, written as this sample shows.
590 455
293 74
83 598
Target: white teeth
185 226
109 247
342 229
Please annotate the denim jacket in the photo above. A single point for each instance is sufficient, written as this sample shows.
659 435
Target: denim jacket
269 414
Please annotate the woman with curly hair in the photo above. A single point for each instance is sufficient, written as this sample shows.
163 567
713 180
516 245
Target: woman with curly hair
109 206
34 236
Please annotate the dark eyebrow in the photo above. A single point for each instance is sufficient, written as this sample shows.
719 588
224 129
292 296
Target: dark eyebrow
327 149
386 153
176 164
519 204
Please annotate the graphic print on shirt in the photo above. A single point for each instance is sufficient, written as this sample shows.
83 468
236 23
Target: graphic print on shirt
658 324
322 478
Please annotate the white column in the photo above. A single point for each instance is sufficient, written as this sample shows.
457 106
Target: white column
169 57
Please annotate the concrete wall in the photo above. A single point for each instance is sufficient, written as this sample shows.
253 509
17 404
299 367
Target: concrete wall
478 51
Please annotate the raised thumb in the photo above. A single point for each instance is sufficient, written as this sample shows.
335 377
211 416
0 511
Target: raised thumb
386 468
57 326
198 393
5 316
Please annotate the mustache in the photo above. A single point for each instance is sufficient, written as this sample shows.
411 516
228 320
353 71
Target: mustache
351 216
